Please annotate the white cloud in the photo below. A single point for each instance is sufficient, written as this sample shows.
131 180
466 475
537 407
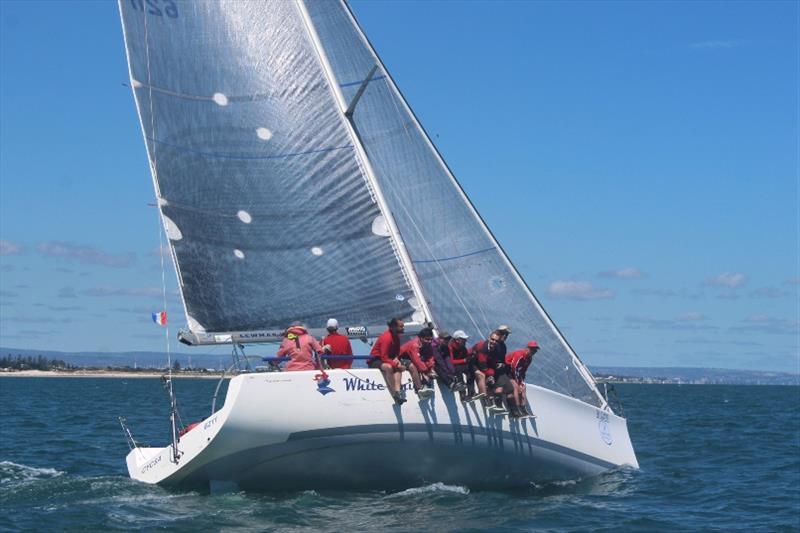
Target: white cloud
578 290
9 248
85 254
624 273
728 279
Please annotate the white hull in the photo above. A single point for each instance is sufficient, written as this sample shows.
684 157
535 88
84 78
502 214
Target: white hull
277 431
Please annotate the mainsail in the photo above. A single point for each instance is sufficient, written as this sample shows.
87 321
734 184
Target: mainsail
270 213
281 208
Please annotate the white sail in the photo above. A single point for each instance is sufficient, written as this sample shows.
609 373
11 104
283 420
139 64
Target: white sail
270 212
471 283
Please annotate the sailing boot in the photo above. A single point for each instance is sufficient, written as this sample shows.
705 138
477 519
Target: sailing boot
528 412
498 408
398 398
424 393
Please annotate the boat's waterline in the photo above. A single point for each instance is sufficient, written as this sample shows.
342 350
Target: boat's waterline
280 431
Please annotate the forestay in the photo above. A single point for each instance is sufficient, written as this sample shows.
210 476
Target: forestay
470 282
270 214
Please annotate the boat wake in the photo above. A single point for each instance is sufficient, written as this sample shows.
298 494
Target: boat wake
433 487
13 474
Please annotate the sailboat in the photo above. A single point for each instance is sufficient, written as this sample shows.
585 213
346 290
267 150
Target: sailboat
295 183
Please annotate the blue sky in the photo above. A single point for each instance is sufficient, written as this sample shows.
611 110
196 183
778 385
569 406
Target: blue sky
637 160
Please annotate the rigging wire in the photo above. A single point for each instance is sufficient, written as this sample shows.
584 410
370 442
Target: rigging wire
159 215
175 417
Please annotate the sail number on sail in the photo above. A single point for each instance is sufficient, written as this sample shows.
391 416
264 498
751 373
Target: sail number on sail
158 8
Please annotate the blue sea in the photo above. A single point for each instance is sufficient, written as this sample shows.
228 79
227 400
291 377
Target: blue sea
713 458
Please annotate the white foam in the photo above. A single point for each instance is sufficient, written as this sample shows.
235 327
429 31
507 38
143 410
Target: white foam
11 472
316 250
434 487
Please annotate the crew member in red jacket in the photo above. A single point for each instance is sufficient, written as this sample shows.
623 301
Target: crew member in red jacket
518 362
420 355
452 357
484 357
386 357
339 345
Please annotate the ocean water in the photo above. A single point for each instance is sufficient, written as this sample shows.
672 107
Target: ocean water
721 458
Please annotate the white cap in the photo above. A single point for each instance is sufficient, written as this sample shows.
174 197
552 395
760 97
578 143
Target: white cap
458 334
333 323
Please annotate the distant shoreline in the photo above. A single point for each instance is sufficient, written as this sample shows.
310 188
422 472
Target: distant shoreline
105 374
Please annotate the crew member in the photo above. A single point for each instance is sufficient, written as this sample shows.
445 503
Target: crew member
340 345
386 357
518 362
445 354
498 382
484 357
301 348
419 353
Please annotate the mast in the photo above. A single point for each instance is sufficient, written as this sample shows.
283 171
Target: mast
346 112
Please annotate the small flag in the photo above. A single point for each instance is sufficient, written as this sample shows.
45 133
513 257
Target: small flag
160 318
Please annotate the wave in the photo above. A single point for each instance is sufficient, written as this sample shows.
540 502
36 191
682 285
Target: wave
14 473
433 487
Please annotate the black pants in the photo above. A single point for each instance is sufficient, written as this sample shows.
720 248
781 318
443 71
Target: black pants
464 374
444 368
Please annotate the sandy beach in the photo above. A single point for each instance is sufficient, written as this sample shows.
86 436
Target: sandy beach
104 374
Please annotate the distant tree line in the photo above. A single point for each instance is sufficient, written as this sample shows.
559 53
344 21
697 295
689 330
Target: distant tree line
30 362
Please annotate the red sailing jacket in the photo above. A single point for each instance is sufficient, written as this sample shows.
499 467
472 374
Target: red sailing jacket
487 361
421 355
518 363
458 354
340 345
387 348
480 353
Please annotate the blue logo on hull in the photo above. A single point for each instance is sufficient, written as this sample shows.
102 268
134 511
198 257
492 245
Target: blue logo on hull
323 386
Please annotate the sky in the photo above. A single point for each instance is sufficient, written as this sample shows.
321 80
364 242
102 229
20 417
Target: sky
638 161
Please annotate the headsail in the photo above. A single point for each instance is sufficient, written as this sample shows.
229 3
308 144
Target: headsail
469 280
269 210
